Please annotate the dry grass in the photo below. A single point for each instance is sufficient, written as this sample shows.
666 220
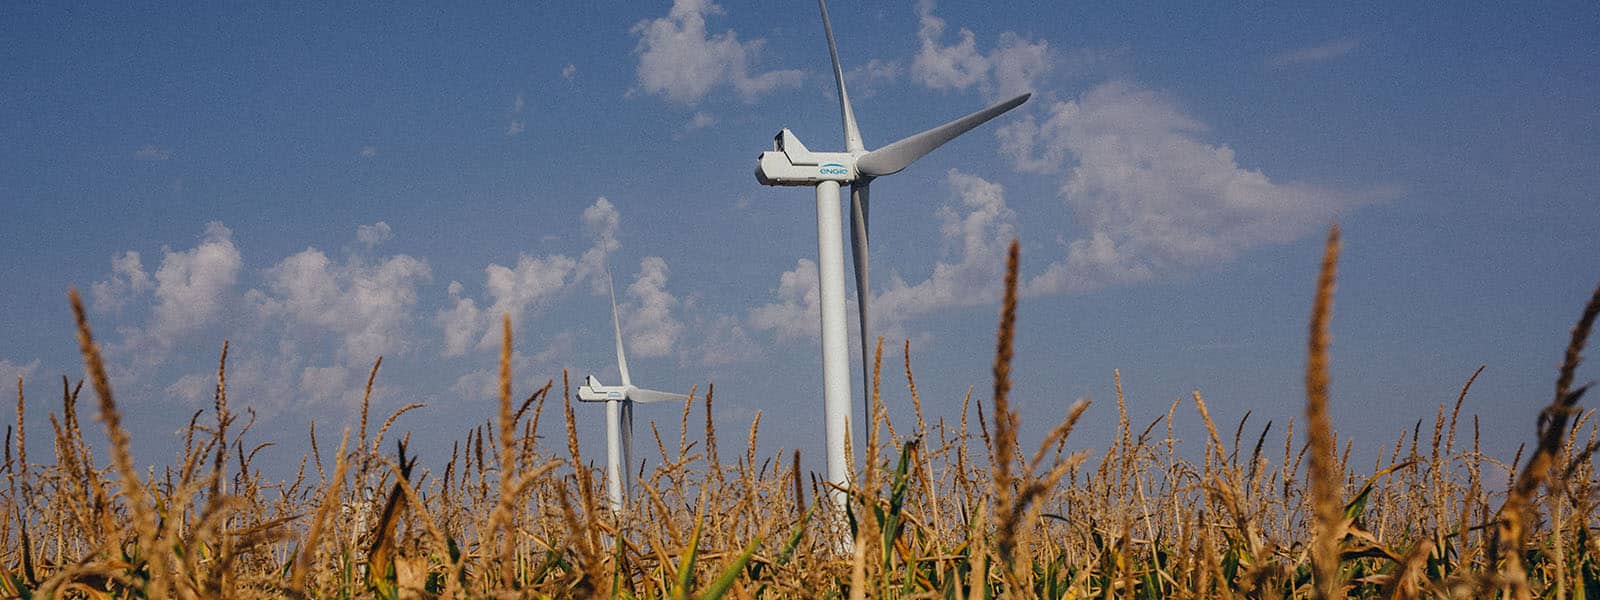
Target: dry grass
942 511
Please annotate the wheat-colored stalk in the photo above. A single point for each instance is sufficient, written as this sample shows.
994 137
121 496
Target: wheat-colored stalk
1005 421
1515 515
332 498
1324 475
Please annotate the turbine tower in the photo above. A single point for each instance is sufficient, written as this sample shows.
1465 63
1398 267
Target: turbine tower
791 163
619 401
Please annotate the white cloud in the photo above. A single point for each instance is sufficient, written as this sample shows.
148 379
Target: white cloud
946 67
10 371
978 226
569 71
374 234
526 288
678 60
127 279
482 383
649 326
530 285
1328 51
603 221
191 287
528 371
518 105
865 80
700 120
368 306
1018 64
796 314
515 127
271 378
152 153
368 151
1151 195
325 384
1014 66
196 388
725 342
461 323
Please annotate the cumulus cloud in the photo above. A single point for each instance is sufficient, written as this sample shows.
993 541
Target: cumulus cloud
368 151
1319 53
527 288
1017 65
529 370
191 287
325 384
679 60
196 388
462 323
602 220
649 326
521 290
1152 196
152 153
700 120
1013 66
796 314
569 71
725 341
128 279
275 377
866 79
977 226
367 305
374 234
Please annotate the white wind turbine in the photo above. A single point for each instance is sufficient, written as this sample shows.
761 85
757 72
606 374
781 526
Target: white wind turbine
619 401
791 163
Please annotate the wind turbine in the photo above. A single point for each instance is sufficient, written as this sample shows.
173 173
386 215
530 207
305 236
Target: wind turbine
619 401
791 163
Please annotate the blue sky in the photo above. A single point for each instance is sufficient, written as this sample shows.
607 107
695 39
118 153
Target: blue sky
322 186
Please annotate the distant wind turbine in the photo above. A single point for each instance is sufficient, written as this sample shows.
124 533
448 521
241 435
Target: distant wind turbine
791 163
619 401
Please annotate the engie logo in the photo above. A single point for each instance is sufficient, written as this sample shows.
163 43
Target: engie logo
833 169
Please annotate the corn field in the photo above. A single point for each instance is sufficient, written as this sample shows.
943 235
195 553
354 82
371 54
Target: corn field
962 510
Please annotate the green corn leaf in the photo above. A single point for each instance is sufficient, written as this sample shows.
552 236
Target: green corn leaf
1358 505
680 586
731 574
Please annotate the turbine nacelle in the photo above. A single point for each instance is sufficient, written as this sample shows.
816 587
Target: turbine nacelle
593 391
791 163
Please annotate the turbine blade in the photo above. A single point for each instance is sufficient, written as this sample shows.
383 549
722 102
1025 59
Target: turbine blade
647 396
616 327
858 246
890 159
852 135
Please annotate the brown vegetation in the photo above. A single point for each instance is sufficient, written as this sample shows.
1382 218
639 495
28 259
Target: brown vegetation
508 516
